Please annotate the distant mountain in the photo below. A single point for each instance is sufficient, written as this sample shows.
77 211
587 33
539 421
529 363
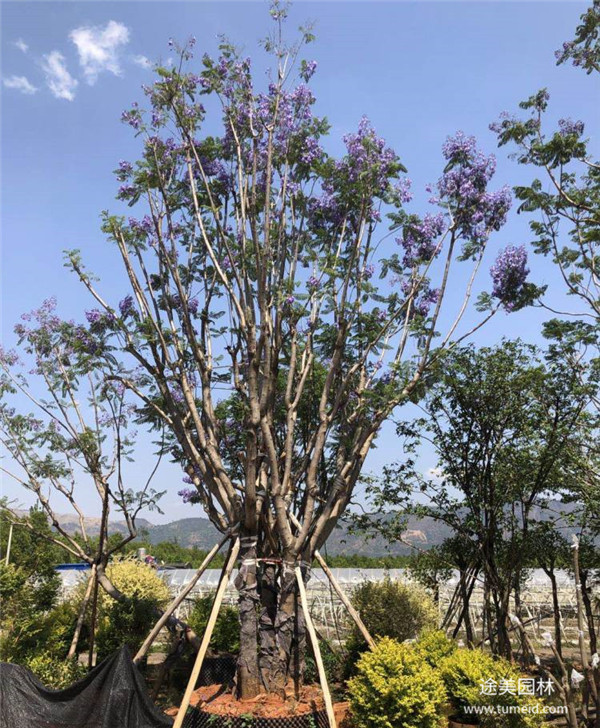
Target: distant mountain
200 532
423 533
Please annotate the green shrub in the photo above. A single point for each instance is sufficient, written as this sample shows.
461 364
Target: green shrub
226 634
30 619
127 622
434 646
54 672
393 609
124 623
389 609
394 688
465 671
135 580
334 665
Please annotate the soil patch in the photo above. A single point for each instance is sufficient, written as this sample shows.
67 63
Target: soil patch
218 699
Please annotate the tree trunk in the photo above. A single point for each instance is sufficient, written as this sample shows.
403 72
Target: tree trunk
248 678
285 624
299 655
555 611
267 655
466 615
589 612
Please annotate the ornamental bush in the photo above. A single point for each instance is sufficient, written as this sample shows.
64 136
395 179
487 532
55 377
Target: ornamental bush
53 671
136 580
125 622
226 634
434 646
390 609
465 672
394 687
128 622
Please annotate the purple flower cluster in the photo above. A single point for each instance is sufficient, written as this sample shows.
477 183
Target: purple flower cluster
463 187
126 306
8 358
192 304
144 227
419 239
126 192
424 302
368 157
568 127
133 117
94 316
187 494
124 171
509 274
369 271
307 70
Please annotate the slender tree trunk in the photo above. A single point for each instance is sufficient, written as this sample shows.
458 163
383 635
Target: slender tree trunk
589 612
487 622
466 616
555 611
248 678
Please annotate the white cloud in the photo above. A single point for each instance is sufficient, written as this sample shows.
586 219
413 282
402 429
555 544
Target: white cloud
21 45
20 83
142 61
98 48
59 80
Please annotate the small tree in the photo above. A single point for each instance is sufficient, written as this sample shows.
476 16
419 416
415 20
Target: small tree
509 431
252 269
77 432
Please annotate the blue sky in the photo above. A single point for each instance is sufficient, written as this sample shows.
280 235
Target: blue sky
419 70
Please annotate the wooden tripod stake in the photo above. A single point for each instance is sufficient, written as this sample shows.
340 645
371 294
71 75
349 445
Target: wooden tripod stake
316 650
340 592
177 601
214 613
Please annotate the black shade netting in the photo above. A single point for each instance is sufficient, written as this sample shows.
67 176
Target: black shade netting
113 695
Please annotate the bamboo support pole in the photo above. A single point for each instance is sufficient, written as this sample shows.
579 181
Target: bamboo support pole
10 535
345 601
177 601
340 592
317 652
81 617
233 554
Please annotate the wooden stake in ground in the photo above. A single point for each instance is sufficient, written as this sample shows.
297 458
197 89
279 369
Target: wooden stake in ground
316 650
10 533
345 601
340 592
233 554
177 601
82 610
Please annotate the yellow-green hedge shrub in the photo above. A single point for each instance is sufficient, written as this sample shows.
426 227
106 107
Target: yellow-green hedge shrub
434 646
464 671
395 688
137 581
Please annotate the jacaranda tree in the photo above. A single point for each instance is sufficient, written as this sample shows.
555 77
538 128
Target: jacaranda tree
255 331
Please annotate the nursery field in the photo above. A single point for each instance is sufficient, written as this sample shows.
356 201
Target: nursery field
311 436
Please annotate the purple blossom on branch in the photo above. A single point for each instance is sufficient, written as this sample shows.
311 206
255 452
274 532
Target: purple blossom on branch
126 306
187 494
464 187
509 274
568 127
307 70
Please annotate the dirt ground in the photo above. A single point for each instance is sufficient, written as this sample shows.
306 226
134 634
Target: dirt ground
217 699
